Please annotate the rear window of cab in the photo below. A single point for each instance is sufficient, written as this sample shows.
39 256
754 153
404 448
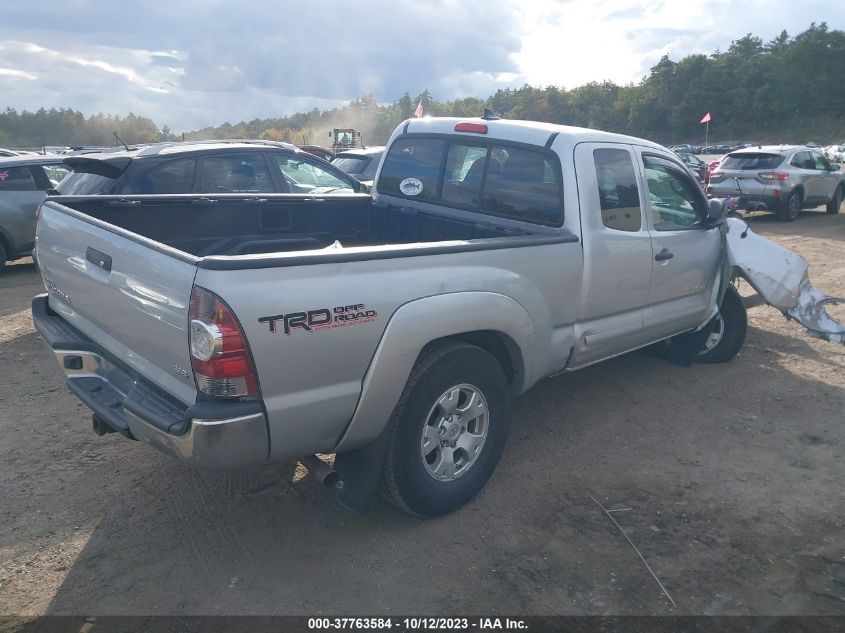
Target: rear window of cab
497 179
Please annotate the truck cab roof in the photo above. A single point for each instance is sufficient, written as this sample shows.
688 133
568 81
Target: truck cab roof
531 132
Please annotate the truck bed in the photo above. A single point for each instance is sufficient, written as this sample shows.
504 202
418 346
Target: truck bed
238 225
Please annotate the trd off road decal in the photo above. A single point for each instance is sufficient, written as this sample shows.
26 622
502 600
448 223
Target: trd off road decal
320 319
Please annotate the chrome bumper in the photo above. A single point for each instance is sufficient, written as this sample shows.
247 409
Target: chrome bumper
227 444
209 435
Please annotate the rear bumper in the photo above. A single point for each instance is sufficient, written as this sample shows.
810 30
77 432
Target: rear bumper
769 198
209 435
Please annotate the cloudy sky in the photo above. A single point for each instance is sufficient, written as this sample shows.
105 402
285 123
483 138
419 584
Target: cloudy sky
188 65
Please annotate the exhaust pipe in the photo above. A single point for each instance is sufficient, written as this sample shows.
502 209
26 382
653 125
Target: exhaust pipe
321 471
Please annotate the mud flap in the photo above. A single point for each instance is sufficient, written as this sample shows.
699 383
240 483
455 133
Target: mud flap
360 470
780 277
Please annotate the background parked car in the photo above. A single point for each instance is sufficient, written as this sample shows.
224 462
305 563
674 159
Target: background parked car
206 167
360 163
711 167
319 151
24 181
779 178
835 153
695 164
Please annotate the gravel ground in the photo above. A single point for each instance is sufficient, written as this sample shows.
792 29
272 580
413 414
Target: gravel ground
729 479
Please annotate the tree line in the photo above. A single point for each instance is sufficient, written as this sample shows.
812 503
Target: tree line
789 89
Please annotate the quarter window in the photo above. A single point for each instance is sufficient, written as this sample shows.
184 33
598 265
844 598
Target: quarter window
16 179
803 160
619 195
675 200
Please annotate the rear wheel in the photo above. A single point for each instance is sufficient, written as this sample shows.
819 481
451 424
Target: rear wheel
727 334
447 431
836 201
791 207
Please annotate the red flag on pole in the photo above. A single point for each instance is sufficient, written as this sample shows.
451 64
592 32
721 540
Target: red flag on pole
706 118
419 111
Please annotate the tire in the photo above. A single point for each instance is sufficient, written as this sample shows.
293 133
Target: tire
448 377
728 333
3 256
791 207
836 201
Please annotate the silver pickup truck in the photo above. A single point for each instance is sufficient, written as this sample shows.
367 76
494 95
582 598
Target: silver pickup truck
392 330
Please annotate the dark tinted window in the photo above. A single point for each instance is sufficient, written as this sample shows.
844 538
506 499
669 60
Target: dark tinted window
462 178
16 179
176 176
751 161
241 173
522 184
803 160
619 195
372 167
411 169
355 165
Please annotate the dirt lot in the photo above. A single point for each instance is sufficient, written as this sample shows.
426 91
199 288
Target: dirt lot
732 478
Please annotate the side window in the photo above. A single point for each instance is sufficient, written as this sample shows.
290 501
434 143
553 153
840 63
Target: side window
675 200
462 178
16 179
55 173
240 173
821 162
304 176
618 192
803 160
523 185
176 176
411 169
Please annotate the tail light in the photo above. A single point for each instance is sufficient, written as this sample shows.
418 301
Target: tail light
220 355
475 128
772 175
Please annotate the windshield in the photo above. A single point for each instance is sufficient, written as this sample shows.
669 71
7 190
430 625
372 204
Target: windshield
746 161
354 165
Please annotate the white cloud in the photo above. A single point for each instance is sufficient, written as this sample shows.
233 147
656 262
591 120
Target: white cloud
196 64
22 74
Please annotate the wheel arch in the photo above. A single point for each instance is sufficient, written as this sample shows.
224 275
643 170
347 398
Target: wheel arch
491 321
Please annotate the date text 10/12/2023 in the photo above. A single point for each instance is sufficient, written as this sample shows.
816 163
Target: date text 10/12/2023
418 624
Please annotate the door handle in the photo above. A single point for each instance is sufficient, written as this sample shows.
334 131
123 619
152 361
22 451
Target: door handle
664 255
98 258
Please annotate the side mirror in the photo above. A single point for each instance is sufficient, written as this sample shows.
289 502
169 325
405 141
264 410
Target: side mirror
716 211
834 167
